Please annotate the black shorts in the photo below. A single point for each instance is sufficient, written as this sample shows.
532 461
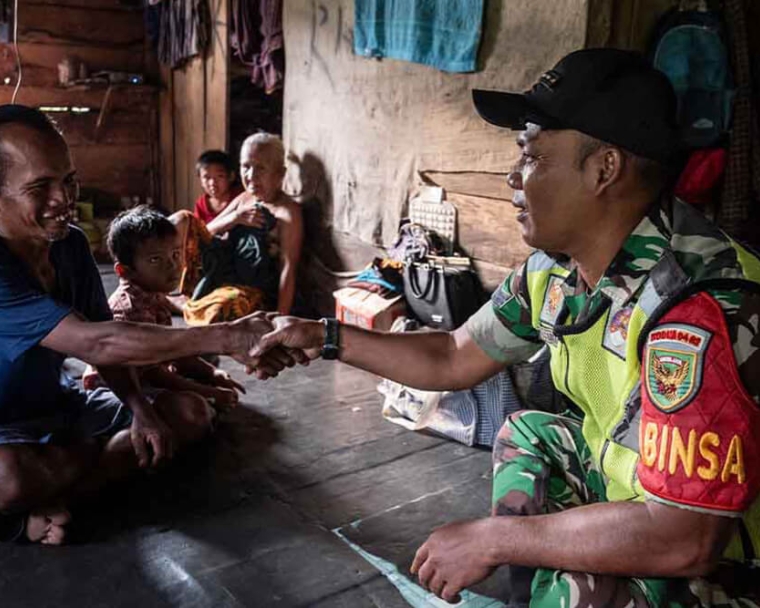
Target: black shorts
85 414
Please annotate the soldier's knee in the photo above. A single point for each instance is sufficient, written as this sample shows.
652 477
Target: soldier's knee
555 588
513 423
577 589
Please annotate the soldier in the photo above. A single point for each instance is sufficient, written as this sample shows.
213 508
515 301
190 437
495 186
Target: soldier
650 313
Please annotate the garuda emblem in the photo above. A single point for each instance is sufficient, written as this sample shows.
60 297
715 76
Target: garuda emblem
670 377
673 360
670 373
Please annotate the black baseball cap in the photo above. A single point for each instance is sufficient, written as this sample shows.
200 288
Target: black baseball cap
609 94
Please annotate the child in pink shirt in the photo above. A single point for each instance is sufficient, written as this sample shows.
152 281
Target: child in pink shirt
147 255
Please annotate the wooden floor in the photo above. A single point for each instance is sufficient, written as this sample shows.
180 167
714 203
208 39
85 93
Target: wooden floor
248 518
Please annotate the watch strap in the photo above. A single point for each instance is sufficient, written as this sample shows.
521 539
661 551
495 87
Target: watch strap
331 345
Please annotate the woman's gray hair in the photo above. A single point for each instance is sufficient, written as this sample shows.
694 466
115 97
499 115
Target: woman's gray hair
267 140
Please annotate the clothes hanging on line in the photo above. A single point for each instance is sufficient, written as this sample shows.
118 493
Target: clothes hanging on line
258 42
184 30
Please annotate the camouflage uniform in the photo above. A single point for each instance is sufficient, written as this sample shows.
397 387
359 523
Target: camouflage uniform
544 463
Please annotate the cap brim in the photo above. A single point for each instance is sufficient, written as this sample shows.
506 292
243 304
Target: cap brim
509 110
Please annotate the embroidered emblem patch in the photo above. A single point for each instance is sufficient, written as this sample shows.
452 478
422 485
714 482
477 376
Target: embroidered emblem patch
553 301
674 357
616 332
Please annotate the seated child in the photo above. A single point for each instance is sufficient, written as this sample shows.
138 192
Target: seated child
144 246
216 171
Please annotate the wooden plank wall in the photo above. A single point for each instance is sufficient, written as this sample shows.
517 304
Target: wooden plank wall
366 131
370 128
194 113
486 226
116 153
634 21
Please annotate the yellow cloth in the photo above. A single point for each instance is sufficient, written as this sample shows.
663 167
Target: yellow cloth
223 304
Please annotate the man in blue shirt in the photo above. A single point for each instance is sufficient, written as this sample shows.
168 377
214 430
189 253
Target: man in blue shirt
56 442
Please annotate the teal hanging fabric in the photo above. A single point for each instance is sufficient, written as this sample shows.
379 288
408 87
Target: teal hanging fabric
444 34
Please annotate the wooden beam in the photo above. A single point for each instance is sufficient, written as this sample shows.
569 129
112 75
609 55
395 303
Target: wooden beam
51 24
123 169
217 81
599 23
127 96
195 115
166 140
491 275
118 129
120 6
475 183
487 230
189 134
40 61
105 106
634 20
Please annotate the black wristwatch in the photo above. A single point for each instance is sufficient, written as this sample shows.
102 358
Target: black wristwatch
331 345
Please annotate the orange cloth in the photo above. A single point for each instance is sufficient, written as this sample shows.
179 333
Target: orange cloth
197 235
224 304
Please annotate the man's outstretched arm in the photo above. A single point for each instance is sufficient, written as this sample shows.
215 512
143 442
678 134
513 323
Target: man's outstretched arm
424 360
122 343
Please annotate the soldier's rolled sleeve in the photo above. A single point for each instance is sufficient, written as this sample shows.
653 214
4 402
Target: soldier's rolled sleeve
496 340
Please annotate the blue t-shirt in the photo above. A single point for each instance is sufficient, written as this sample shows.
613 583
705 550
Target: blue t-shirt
32 383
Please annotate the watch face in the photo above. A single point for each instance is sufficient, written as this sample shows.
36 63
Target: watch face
330 352
330 347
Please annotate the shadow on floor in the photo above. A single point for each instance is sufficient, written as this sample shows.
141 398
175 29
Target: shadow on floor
246 519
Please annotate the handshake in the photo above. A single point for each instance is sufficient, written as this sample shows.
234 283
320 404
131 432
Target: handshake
267 343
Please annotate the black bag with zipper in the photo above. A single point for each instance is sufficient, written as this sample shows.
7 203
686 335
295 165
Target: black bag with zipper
442 296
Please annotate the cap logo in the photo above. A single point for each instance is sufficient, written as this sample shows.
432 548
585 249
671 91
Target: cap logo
550 79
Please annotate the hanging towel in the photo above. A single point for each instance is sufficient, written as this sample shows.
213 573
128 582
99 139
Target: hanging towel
441 33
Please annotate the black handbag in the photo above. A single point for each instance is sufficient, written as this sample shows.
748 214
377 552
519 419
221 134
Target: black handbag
442 296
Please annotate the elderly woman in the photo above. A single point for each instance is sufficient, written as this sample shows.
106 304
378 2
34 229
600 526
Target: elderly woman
246 258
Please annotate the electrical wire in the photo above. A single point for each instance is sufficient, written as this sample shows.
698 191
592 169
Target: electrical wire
18 55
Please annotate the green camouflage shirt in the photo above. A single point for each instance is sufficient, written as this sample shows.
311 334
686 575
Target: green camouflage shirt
503 329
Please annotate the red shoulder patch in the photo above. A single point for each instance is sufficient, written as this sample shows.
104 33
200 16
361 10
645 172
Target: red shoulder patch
699 426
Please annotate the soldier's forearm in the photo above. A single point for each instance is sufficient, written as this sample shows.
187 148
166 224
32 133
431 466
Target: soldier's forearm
617 538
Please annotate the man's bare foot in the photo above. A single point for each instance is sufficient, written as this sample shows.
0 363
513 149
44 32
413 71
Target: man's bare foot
48 525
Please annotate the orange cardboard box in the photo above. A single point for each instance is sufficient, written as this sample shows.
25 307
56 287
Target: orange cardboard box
366 309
